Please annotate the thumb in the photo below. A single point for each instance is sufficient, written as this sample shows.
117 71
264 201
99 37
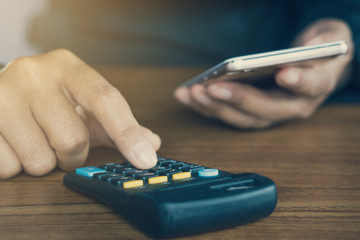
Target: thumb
308 81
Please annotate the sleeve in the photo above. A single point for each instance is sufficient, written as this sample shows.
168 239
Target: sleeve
309 11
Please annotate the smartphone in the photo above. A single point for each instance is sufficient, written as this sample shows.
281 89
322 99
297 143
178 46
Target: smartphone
262 66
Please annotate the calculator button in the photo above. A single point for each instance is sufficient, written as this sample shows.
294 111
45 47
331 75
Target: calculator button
192 169
176 165
161 159
157 169
126 164
158 179
119 181
110 166
102 176
89 171
133 184
97 175
182 175
169 172
166 163
114 168
145 176
105 166
209 172
134 173
124 170
111 176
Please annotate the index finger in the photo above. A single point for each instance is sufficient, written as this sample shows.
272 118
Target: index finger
90 90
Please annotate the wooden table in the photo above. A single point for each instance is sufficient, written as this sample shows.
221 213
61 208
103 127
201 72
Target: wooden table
315 164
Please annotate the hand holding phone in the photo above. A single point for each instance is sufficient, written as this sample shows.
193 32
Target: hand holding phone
256 67
298 87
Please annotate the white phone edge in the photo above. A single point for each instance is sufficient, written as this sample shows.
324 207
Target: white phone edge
251 62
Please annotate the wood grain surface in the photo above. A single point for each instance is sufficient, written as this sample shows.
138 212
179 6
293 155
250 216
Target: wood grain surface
314 162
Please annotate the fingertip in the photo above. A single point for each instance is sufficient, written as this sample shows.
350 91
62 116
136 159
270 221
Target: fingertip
152 137
73 153
137 144
142 155
157 142
182 94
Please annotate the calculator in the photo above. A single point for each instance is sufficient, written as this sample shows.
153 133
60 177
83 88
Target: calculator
177 198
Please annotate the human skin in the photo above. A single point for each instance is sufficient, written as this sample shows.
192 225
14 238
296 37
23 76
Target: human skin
54 107
299 91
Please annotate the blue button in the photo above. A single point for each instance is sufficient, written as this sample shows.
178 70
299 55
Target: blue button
89 171
208 172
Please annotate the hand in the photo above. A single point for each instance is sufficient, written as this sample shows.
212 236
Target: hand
299 91
53 107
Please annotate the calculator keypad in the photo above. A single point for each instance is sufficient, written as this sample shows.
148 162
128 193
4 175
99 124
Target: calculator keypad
165 171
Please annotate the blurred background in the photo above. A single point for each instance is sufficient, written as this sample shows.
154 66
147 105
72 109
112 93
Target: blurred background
143 32
162 32
15 18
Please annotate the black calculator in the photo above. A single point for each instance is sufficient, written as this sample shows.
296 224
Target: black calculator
177 198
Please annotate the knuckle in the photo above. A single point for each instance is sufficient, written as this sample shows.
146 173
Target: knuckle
72 141
66 58
24 74
63 54
22 61
131 130
24 65
43 165
106 92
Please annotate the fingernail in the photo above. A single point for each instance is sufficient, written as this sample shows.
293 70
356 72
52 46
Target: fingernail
292 77
220 92
144 154
182 94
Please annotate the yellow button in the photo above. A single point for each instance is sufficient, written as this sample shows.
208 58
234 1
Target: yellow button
159 179
182 175
132 184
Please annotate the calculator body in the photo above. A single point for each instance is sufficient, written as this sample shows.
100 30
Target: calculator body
186 206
